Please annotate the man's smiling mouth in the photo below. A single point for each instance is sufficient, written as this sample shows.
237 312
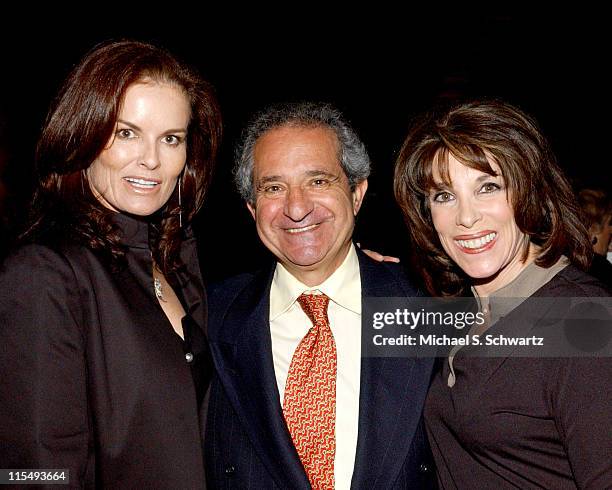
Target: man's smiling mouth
302 230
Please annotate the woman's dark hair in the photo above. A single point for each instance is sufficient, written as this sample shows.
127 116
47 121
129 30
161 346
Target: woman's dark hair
476 133
80 124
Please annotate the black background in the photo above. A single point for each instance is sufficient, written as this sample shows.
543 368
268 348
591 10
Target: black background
380 68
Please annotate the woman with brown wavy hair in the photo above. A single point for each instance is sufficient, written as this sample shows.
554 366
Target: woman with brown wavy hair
102 308
488 207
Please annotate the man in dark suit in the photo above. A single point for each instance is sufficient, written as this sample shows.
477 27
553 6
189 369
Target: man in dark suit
293 403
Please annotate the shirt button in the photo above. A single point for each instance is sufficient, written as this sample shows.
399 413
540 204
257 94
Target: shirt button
189 357
230 470
424 468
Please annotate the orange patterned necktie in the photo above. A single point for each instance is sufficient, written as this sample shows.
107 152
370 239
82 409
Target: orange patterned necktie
310 395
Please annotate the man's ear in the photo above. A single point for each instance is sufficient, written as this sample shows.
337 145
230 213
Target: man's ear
251 208
359 194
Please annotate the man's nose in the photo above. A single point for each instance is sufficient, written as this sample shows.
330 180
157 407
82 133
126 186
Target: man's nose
298 205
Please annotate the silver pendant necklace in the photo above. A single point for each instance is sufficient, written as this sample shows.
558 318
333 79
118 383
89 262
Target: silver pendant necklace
159 290
157 284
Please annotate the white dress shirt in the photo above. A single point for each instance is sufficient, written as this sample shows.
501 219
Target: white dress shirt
289 324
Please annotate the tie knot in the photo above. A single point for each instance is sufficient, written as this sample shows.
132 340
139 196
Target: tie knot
315 306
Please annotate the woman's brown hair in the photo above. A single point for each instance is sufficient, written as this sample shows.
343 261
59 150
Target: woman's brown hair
476 132
79 125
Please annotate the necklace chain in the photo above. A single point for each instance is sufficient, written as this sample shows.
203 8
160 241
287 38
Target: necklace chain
159 289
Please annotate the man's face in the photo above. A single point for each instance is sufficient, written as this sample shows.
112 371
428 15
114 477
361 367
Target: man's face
304 209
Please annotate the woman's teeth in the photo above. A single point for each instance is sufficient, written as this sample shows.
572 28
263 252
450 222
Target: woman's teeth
477 242
300 230
145 184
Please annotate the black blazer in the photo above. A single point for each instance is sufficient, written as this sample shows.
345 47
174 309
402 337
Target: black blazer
93 377
247 444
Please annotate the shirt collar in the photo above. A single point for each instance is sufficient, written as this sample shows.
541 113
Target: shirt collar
343 287
134 232
532 278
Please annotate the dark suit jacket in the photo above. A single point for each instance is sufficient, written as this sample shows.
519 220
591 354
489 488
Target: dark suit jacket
247 444
92 376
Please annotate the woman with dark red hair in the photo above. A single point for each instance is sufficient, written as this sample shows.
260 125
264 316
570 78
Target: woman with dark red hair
102 310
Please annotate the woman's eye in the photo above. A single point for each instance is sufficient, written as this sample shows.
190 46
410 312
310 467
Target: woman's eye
125 133
443 197
489 187
172 139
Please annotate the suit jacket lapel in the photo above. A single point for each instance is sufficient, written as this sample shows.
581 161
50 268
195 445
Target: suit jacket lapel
392 395
246 368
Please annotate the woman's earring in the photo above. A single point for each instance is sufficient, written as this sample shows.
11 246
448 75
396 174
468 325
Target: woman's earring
180 204
82 179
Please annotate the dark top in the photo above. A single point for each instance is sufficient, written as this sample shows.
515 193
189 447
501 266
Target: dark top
516 422
94 378
601 268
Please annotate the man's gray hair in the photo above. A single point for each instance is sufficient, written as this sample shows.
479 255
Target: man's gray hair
353 156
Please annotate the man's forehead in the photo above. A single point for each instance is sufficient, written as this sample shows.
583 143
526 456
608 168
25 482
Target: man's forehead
290 152
287 138
295 129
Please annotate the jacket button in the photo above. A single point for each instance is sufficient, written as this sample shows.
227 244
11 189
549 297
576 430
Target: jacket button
189 357
424 468
230 470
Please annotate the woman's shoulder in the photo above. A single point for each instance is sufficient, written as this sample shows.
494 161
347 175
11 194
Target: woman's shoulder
573 282
32 263
35 261
38 286
34 255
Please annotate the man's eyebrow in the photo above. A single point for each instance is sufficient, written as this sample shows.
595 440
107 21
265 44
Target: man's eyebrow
269 178
308 173
319 173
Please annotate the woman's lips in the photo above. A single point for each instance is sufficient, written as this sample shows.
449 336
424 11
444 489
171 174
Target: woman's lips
477 243
140 184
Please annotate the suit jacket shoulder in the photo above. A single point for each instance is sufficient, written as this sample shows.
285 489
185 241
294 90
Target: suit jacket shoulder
223 294
385 278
